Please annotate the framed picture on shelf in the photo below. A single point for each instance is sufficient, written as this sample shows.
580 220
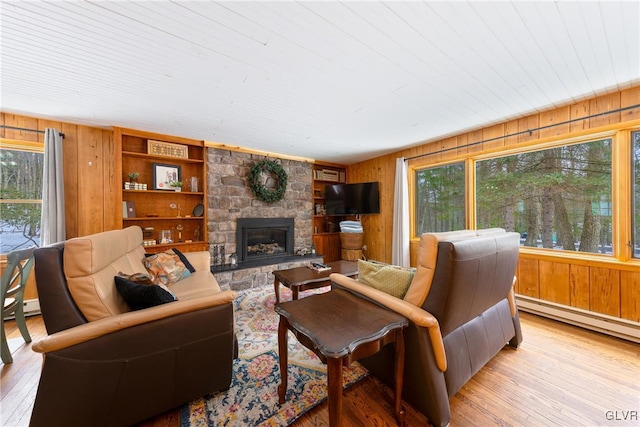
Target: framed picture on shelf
164 175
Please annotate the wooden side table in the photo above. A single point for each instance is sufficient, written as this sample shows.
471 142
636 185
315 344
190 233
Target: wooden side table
303 278
340 328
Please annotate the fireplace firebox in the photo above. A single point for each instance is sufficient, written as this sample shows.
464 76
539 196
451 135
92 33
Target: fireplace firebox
264 238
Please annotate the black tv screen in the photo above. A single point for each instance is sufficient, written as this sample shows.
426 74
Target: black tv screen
352 199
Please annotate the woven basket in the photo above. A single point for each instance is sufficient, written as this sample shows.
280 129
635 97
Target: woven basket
351 254
352 240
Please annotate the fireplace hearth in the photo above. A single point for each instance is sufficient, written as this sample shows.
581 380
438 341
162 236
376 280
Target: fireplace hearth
264 238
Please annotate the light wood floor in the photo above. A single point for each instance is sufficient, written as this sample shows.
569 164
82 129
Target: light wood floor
560 376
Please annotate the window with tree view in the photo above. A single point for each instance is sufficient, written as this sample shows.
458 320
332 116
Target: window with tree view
635 138
558 198
20 198
439 203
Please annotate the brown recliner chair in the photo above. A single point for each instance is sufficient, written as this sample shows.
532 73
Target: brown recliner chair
462 312
107 365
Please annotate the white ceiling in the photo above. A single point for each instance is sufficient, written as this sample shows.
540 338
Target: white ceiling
334 81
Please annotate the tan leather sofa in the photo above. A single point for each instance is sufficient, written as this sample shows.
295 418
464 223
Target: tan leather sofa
106 365
462 312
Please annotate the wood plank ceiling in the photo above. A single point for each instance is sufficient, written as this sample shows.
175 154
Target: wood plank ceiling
335 81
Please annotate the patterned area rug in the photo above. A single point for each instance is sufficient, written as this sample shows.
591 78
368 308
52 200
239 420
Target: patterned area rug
252 399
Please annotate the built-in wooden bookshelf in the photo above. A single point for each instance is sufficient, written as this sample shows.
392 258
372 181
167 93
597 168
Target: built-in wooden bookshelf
326 229
151 203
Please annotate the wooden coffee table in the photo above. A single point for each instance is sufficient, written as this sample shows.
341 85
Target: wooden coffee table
303 278
340 328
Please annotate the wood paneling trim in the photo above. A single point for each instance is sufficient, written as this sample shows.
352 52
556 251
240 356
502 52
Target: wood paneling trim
528 278
604 290
630 295
555 285
567 257
579 284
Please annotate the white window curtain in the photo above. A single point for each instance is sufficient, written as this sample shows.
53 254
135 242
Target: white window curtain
400 241
52 226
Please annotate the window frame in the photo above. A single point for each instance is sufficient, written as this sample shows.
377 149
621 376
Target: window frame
621 220
18 145
414 187
631 193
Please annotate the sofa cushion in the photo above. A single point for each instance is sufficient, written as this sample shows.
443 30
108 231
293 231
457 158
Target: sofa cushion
391 279
198 284
166 267
139 291
90 264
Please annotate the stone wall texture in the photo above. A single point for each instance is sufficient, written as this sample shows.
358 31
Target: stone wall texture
229 197
238 280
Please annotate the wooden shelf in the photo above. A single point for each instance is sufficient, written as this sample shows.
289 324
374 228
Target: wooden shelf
182 246
161 159
132 147
165 192
162 218
326 242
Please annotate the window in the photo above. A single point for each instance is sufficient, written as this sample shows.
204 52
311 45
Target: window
558 198
20 195
635 188
440 200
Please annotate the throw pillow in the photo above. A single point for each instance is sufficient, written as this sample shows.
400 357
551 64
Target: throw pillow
182 257
165 265
139 291
391 279
184 260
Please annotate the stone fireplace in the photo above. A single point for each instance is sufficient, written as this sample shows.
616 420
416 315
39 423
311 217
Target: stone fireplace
230 199
264 238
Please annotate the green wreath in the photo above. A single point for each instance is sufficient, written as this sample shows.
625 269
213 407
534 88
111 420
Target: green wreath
263 193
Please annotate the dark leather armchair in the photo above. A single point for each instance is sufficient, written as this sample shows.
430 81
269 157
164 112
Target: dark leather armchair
462 312
123 367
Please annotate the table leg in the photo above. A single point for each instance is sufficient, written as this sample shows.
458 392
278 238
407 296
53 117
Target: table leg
399 375
276 289
283 355
295 290
334 391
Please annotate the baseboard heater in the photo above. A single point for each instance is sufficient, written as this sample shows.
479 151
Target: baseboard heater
31 307
609 325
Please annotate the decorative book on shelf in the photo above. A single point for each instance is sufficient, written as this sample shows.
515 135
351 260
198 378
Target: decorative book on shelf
128 209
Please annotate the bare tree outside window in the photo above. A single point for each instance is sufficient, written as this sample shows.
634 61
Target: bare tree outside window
559 198
440 203
20 199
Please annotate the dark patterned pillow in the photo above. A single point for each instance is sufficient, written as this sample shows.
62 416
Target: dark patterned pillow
140 292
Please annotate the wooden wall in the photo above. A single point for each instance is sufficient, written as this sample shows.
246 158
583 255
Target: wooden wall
89 165
611 288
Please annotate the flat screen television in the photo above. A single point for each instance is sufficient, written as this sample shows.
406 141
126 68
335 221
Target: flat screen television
352 199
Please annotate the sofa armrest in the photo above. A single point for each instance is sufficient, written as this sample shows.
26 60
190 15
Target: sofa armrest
415 314
107 325
200 260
